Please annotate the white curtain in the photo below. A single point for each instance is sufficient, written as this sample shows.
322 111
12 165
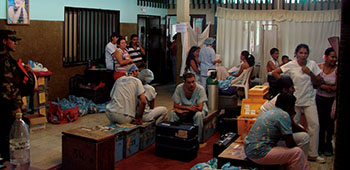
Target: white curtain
191 38
270 41
314 34
240 30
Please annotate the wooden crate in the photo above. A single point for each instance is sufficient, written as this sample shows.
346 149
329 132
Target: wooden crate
119 141
147 134
130 136
36 122
131 141
88 149
209 125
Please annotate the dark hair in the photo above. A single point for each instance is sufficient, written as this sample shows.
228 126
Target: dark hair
250 58
131 37
300 46
187 75
120 39
285 101
285 56
285 82
175 37
273 50
190 56
328 51
116 34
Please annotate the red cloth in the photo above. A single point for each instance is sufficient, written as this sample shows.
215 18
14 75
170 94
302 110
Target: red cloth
42 73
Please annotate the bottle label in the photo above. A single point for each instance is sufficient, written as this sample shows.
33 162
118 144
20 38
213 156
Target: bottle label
19 144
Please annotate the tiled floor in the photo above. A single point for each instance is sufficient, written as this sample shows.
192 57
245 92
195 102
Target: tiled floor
46 145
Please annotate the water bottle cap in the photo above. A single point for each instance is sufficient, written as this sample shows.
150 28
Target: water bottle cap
19 115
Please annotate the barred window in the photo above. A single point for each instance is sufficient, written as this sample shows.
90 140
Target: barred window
86 33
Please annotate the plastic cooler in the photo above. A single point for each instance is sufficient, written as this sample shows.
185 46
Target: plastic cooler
249 112
258 92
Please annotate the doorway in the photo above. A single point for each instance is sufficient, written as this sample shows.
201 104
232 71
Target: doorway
150 36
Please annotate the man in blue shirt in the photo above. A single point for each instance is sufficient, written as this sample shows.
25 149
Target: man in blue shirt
189 103
261 143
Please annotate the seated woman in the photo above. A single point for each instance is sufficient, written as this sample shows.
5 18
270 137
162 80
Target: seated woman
121 59
248 61
192 62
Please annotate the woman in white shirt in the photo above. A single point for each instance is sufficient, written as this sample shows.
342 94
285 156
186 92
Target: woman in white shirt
306 77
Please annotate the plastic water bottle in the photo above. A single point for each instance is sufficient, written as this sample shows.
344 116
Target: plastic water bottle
19 145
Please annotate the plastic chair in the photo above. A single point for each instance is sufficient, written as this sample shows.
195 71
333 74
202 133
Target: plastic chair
243 80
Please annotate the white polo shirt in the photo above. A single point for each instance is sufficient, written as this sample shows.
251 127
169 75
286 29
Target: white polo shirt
304 91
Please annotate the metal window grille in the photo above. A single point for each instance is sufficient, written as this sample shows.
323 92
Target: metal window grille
86 33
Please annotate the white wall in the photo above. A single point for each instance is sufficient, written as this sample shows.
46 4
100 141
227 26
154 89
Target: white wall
53 10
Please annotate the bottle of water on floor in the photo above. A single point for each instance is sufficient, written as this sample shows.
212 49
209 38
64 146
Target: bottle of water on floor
19 145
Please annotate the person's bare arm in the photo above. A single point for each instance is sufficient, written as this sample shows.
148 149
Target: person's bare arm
143 52
138 116
277 73
118 56
270 66
152 103
316 81
194 66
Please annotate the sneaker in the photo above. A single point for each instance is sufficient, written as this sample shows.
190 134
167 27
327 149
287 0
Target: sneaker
317 159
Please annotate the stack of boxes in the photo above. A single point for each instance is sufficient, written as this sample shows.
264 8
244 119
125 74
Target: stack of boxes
250 109
36 105
130 139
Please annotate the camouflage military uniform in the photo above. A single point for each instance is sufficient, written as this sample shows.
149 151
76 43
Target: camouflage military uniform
11 78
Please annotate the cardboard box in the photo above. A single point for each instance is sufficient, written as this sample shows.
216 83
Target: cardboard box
36 121
88 149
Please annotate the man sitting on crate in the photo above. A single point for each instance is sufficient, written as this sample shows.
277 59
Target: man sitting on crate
189 103
260 145
125 94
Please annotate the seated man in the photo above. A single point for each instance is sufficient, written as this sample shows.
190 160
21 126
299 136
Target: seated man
126 92
151 112
260 145
189 103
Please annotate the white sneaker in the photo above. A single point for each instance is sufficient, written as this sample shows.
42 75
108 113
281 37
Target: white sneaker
317 159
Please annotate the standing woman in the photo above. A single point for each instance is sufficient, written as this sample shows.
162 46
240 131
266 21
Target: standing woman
192 62
306 78
325 97
121 59
207 58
